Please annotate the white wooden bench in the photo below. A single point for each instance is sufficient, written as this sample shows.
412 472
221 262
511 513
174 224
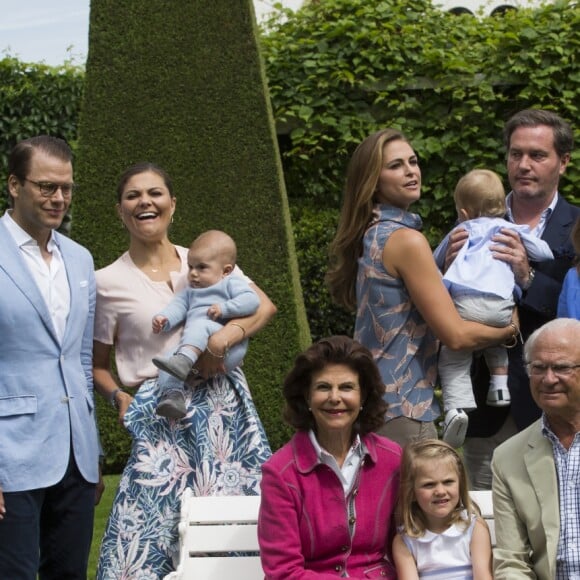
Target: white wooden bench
485 504
219 539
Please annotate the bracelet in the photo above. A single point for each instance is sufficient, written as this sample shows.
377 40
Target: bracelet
514 339
240 327
215 355
113 397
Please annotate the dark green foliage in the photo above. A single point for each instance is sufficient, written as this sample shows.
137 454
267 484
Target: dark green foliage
341 69
314 231
183 86
36 99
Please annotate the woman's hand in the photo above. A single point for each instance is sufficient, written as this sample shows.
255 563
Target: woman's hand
211 361
122 402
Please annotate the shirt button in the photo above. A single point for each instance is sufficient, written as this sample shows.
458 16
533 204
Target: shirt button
65 400
351 520
344 548
338 567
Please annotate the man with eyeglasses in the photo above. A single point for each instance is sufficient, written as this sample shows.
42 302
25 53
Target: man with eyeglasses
48 437
536 473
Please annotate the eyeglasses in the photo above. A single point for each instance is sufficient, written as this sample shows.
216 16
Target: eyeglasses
48 189
562 370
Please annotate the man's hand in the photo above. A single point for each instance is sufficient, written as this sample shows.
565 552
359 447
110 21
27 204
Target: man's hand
509 248
2 506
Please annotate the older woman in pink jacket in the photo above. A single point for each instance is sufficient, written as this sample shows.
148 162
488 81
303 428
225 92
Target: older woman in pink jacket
329 494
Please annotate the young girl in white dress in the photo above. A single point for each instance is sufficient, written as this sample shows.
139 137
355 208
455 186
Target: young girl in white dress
441 534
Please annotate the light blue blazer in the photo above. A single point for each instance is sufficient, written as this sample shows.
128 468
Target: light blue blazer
46 388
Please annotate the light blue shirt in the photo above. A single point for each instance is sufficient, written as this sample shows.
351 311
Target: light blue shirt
567 463
475 270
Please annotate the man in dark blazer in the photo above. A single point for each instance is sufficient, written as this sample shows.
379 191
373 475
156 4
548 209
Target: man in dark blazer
48 436
538 146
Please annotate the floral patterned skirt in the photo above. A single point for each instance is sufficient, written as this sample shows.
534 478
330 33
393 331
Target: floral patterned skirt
217 449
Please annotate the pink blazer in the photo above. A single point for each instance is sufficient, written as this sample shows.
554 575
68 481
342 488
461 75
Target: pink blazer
303 525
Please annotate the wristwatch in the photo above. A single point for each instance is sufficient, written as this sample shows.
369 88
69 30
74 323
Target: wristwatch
531 275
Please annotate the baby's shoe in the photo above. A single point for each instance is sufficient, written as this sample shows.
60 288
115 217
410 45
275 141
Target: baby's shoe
455 427
172 405
498 397
177 365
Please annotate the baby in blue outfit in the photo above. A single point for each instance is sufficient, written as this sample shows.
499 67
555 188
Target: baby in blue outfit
214 294
483 290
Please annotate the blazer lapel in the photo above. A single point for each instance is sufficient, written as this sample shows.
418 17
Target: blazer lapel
556 232
12 263
539 461
73 273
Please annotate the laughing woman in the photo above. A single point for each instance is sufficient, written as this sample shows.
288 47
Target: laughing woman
219 446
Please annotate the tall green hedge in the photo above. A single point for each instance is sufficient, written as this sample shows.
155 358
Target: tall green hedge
182 85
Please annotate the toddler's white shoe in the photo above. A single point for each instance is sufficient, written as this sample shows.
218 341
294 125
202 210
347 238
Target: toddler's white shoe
455 427
498 397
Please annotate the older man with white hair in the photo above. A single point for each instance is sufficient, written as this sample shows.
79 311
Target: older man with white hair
536 473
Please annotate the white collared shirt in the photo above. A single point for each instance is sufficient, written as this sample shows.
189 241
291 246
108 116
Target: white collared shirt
347 473
539 229
50 277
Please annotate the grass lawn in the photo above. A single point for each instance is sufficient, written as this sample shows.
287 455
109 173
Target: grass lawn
101 515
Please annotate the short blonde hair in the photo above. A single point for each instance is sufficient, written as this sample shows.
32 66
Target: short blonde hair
410 515
481 194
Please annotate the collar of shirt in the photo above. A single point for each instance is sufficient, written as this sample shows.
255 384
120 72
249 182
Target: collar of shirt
347 473
551 436
539 229
22 237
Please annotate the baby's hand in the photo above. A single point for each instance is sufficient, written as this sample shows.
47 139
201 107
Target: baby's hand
158 323
214 311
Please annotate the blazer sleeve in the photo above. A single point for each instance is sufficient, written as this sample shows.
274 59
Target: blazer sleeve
511 556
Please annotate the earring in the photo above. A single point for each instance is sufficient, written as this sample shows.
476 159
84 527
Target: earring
171 218
361 408
310 409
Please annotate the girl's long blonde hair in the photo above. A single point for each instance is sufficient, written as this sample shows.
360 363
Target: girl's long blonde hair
362 177
410 516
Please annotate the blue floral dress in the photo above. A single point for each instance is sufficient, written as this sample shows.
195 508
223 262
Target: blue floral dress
391 327
217 449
